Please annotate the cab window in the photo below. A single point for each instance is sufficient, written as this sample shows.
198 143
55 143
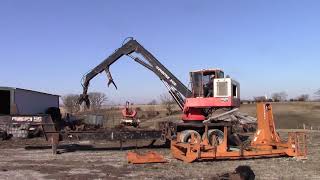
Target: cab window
221 74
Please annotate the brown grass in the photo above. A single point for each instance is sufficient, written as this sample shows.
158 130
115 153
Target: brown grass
289 115
292 115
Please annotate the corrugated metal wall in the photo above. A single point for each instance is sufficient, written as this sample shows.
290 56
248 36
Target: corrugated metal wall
30 102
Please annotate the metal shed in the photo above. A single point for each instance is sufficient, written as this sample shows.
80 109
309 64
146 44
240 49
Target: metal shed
17 101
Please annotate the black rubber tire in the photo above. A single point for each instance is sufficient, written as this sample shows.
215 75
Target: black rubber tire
186 135
218 133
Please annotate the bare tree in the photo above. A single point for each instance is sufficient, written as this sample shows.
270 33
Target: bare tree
279 96
97 99
317 95
70 102
169 103
260 99
303 97
152 102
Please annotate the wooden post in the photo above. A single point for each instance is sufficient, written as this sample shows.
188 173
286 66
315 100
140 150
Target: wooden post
54 143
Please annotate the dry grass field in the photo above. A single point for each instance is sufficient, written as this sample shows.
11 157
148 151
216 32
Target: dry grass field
292 115
32 158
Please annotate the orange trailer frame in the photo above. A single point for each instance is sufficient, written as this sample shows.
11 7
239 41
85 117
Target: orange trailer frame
265 143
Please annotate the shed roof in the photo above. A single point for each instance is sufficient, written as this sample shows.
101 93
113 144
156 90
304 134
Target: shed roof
14 88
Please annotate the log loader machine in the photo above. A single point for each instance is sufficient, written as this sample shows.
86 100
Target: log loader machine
129 116
212 92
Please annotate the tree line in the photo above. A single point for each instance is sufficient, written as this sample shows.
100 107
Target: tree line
97 100
283 96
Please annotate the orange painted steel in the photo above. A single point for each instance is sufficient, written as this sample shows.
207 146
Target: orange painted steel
265 143
149 157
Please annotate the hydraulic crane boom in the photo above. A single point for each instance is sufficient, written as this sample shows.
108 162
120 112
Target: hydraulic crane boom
175 87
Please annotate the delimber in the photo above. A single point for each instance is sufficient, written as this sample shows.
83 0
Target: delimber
265 143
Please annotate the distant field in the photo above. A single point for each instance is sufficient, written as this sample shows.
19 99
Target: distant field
290 115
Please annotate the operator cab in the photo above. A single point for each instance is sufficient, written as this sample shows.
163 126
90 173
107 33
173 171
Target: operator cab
202 81
212 83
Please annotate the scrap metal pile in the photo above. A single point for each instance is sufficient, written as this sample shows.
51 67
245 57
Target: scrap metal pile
242 122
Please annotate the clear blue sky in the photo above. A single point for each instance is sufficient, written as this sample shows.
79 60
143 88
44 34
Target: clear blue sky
268 46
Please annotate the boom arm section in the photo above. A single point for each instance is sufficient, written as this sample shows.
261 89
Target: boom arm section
175 87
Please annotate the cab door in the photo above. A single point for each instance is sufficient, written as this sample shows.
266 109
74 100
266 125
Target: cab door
196 84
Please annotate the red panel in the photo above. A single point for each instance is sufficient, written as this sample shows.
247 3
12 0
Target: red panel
193 114
128 114
212 102
193 106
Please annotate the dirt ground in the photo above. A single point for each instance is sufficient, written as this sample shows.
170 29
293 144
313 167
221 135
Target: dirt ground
32 158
